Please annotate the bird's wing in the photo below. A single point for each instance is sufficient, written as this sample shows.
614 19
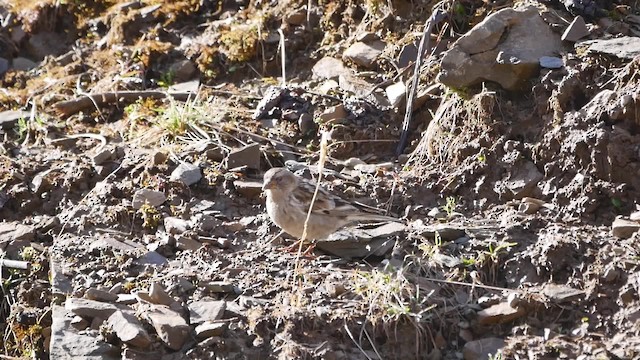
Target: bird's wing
329 204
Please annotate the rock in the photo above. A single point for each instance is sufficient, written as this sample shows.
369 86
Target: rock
169 325
129 329
127 299
103 156
551 62
17 34
4 65
522 180
158 295
364 54
270 100
408 54
611 274
187 243
626 47
23 64
183 70
209 329
249 189
46 43
396 93
152 258
92 309
576 30
562 293
15 236
623 229
353 243
505 47
206 310
152 197
296 17
218 286
186 87
248 156
100 295
79 323
446 232
499 314
306 124
67 344
9 119
328 86
329 68
333 113
367 37
486 348
634 216
189 174
174 225
437 213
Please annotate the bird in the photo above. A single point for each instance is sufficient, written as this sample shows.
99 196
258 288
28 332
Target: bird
288 200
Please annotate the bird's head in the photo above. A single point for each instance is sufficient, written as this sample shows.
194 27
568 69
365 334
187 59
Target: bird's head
279 179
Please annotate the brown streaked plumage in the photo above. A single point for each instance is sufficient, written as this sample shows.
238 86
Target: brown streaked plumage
288 200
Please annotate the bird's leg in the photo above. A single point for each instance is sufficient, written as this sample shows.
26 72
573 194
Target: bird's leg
293 248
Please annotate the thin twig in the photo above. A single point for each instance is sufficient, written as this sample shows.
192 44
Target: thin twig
78 104
437 16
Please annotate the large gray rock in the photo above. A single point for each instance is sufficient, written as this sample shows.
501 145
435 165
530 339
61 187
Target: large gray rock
129 329
505 48
170 326
67 343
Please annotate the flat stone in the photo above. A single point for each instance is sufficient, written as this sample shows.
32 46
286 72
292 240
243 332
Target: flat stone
126 299
296 17
623 229
104 156
67 344
306 124
482 349
218 286
329 68
248 156
209 329
249 189
91 308
626 47
364 54
499 314
100 295
551 62
206 310
187 243
129 329
270 100
576 30
354 243
151 197
333 113
79 323
23 64
9 119
187 173
174 225
562 293
186 87
152 258
523 179
169 325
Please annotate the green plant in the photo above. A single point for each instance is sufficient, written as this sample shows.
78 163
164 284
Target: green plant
150 216
450 206
167 79
28 253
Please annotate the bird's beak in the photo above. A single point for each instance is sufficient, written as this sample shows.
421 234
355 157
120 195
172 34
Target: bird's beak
269 185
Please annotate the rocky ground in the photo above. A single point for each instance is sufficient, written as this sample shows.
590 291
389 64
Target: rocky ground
135 133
